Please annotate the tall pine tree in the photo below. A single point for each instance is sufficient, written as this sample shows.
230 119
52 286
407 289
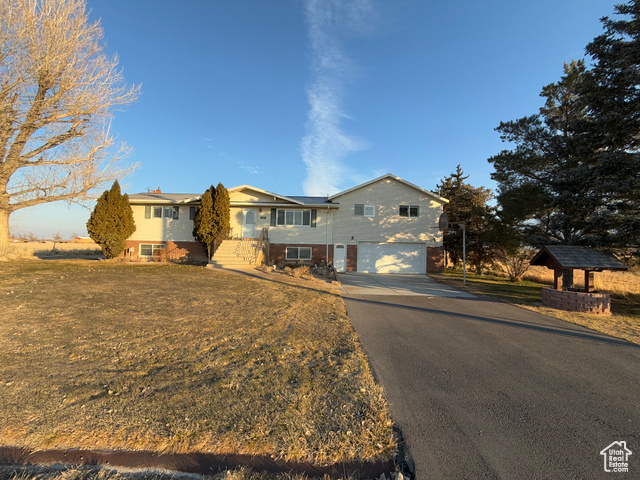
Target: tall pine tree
574 174
111 221
612 93
544 183
468 205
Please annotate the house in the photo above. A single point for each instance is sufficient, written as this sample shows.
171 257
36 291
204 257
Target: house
386 225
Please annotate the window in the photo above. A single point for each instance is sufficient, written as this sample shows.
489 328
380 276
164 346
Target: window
298 253
362 210
409 211
150 249
171 212
192 212
157 212
294 217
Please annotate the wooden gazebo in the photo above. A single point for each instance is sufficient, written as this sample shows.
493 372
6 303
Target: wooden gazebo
564 258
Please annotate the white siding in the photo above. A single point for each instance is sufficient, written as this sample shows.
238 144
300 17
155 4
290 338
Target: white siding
162 229
387 225
289 234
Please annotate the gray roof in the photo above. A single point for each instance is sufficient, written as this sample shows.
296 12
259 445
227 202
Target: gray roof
572 256
195 197
311 200
164 197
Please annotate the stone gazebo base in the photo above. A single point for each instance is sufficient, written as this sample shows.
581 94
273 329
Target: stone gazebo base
592 302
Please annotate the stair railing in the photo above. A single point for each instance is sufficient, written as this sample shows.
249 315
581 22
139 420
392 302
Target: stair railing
262 246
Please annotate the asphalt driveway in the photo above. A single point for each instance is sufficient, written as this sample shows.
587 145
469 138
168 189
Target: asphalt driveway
483 389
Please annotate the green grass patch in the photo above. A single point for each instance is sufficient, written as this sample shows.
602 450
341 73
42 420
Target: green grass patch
624 321
176 358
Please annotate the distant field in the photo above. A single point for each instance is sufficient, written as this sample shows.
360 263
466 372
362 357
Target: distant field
175 358
621 283
46 249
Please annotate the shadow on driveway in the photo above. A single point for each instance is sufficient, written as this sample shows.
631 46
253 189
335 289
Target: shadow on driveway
570 331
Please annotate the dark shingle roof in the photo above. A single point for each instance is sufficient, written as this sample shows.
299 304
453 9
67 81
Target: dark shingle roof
310 200
571 256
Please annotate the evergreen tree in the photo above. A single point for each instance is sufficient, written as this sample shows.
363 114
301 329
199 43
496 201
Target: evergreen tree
544 184
204 230
111 221
221 212
574 174
612 93
468 205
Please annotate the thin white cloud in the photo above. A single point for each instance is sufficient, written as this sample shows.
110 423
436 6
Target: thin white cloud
253 170
325 145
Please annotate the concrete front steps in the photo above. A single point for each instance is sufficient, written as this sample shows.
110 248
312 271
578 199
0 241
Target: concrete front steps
235 254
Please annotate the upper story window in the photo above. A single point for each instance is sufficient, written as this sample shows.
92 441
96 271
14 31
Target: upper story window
409 211
362 210
158 212
192 212
300 218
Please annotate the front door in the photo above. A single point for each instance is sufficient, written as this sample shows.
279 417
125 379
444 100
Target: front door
340 258
248 223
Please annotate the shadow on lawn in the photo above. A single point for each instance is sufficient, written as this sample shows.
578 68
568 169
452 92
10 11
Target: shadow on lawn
200 463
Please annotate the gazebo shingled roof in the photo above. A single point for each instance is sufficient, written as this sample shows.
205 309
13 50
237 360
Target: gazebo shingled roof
567 257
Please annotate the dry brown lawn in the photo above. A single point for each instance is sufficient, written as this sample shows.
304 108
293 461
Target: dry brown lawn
72 472
176 358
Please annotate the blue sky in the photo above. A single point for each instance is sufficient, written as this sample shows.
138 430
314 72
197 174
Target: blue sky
310 97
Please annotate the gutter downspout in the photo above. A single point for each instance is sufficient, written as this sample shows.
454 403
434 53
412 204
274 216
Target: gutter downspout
326 236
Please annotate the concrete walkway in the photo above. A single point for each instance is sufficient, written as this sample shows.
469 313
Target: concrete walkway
392 284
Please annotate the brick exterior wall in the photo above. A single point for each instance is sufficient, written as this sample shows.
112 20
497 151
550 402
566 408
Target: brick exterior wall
352 258
435 259
593 302
318 253
175 251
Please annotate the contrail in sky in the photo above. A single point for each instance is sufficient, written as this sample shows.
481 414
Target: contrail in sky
325 145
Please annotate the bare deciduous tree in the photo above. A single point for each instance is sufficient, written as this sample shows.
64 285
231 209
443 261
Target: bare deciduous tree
58 91
516 263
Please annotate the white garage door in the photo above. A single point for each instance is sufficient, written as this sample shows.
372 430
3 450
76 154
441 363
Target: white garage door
392 257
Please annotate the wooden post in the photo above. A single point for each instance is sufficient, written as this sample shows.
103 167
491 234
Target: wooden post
567 279
557 279
589 283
